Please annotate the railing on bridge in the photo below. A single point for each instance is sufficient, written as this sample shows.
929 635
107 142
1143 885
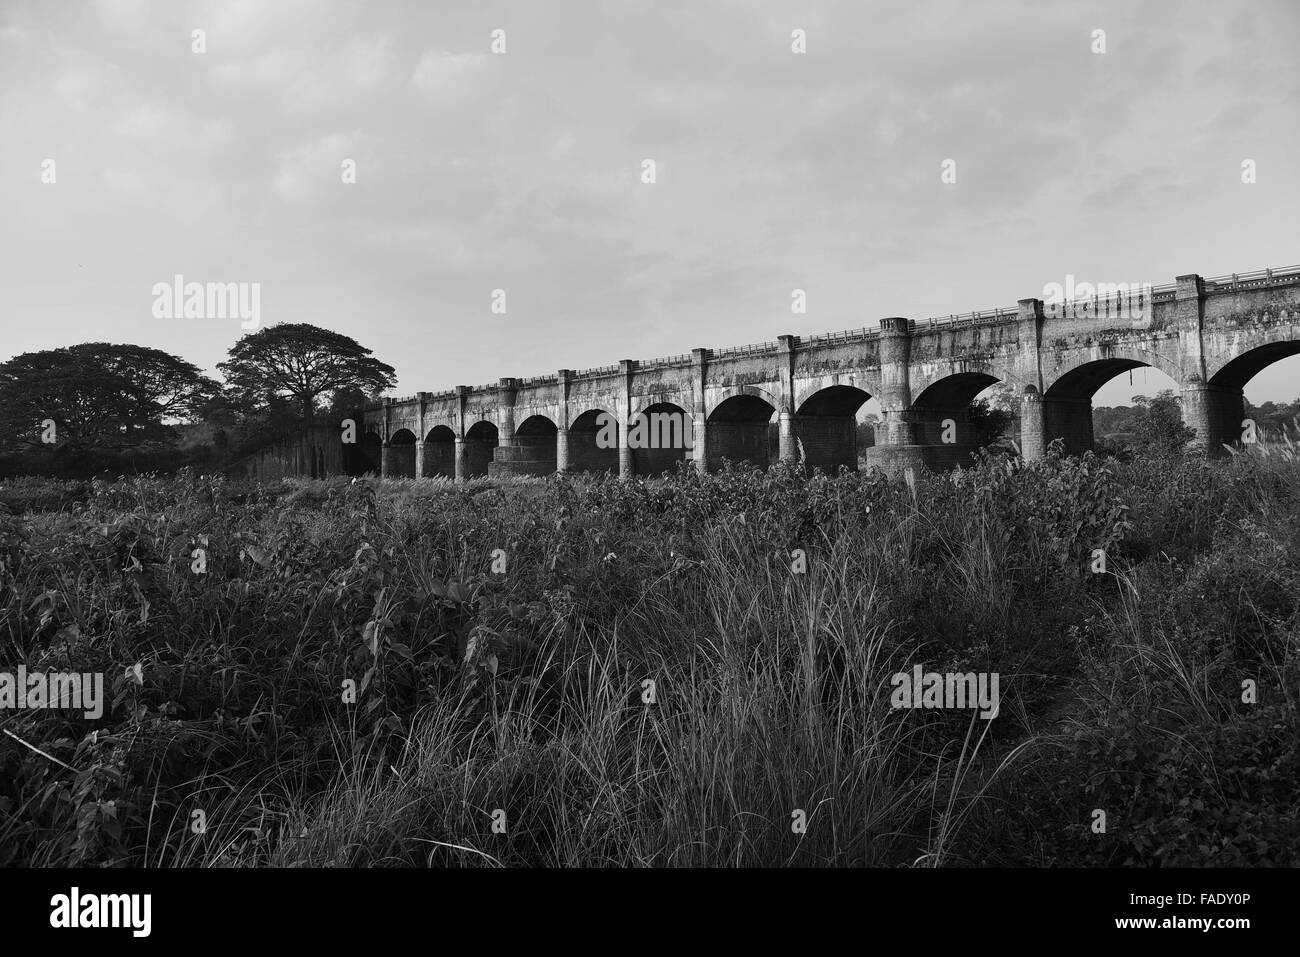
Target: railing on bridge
1246 280
753 349
985 317
540 380
1164 292
835 338
595 373
666 362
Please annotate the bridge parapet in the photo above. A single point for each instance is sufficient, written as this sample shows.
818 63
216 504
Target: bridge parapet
836 338
1284 276
736 352
596 373
666 362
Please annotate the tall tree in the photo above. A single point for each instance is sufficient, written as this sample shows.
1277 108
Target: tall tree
100 396
988 422
301 363
1161 429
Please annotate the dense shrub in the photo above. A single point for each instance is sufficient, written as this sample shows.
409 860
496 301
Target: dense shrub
524 688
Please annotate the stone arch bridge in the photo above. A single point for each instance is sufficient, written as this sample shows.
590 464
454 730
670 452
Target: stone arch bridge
1209 335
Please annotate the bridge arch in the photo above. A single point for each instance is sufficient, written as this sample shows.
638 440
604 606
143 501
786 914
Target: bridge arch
1234 372
936 382
640 403
1066 407
1082 378
589 450
941 414
546 411
954 391
537 425
738 427
723 396
1217 408
867 381
660 435
481 440
534 452
401 454
439 453
826 427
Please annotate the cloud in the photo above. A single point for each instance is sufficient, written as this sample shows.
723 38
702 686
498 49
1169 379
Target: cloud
441 75
307 172
78 89
521 170
320 81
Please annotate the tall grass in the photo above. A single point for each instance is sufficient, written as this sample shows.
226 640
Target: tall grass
651 682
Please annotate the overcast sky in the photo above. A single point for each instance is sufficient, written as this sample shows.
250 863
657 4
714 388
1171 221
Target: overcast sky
521 171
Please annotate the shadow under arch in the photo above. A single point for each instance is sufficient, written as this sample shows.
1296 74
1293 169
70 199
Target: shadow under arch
737 429
589 448
660 436
826 428
440 453
480 448
401 455
534 447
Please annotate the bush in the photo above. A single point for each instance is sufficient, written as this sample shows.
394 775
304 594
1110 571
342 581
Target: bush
498 637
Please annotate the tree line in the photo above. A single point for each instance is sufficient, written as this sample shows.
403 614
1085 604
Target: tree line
104 407
1157 423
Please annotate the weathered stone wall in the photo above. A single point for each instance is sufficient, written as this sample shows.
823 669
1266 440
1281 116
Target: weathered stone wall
1209 336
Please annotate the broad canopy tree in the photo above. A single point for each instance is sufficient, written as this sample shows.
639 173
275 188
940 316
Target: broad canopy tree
100 396
303 364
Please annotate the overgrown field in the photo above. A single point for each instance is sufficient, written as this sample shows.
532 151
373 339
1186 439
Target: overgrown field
655 678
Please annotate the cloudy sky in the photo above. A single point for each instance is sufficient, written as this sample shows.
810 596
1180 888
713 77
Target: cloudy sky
521 171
